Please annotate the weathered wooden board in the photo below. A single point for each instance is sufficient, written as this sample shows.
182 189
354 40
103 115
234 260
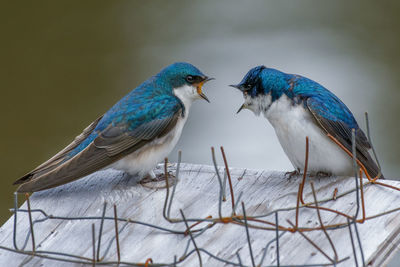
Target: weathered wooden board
197 195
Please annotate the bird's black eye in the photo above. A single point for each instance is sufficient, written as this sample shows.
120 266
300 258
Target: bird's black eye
189 78
248 86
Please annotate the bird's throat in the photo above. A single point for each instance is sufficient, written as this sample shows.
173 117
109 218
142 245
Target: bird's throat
259 104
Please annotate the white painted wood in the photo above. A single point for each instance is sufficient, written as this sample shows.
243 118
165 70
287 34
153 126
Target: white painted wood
197 195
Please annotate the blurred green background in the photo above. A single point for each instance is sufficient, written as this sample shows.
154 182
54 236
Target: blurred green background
64 63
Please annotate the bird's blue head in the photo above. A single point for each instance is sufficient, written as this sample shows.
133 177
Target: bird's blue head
260 82
185 80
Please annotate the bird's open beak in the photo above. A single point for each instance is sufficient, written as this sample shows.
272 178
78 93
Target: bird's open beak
200 85
237 86
243 106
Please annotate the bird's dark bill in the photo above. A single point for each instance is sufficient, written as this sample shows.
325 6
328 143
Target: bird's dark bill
199 89
235 86
202 95
240 109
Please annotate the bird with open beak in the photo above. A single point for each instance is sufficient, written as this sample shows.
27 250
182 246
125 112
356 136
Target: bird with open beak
138 132
298 107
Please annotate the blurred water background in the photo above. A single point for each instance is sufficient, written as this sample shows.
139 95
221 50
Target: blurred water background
64 63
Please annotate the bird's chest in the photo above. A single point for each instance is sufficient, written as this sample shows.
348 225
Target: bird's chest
292 124
146 158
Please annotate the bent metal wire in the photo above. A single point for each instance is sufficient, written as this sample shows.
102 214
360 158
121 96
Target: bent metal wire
256 222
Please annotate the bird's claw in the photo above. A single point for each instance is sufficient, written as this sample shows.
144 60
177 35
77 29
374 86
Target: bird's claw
289 175
158 181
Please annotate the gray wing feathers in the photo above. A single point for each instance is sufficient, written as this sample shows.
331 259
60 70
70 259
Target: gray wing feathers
82 164
111 144
117 140
57 159
343 134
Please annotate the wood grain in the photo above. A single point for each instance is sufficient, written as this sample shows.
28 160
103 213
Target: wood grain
197 195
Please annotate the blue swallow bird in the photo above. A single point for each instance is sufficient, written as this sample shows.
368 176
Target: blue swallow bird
138 132
298 107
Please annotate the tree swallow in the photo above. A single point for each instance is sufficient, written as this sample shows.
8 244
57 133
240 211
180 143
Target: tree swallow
138 132
298 107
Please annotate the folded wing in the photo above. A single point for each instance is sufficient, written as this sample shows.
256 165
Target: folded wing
335 119
111 144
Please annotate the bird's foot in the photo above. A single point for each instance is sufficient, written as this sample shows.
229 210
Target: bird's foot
157 181
289 175
323 174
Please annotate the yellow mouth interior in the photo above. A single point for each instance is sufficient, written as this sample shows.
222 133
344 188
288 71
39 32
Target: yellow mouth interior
199 91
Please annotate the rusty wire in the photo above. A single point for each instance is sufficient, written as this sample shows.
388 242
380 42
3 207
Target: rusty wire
258 222
86 260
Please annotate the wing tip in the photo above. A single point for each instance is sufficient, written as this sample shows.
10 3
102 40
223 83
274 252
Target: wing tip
28 184
33 186
380 175
24 179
